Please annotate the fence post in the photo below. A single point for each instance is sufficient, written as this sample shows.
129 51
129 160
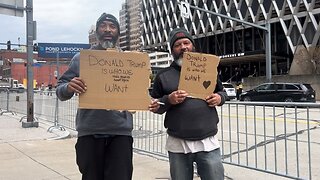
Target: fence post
56 124
56 113
7 110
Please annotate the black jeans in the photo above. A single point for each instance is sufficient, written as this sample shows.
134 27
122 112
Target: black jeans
107 158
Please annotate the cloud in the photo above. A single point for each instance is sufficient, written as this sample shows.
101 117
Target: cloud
59 21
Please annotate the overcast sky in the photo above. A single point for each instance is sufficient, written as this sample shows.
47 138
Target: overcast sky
58 21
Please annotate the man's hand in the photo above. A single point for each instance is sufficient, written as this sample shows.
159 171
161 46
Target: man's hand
213 99
177 97
154 105
77 85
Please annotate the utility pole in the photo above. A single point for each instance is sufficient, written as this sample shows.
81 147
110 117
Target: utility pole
15 8
30 37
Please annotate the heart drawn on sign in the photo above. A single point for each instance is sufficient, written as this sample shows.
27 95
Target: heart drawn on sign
206 84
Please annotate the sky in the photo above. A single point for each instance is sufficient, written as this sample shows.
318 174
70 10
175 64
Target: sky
58 21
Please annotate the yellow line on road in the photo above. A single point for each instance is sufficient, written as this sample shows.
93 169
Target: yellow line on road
288 120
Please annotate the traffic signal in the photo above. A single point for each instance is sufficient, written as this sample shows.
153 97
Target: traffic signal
35 47
9 45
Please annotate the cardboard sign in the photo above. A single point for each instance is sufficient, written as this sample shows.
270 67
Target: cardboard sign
115 80
199 74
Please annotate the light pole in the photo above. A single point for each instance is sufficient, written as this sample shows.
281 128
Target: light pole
30 97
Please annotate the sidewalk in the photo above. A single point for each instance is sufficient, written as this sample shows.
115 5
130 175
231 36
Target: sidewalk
34 154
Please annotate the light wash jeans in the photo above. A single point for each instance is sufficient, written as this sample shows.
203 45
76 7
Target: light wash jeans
209 165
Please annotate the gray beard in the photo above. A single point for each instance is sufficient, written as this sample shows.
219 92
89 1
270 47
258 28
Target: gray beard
179 62
108 44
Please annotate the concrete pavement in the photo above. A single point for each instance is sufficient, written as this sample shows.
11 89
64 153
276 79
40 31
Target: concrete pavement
36 154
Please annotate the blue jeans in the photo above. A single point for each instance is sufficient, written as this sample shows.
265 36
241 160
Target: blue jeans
209 165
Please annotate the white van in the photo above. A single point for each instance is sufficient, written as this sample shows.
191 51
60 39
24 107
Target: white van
230 90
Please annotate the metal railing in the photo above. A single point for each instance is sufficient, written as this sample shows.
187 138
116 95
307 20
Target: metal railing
276 138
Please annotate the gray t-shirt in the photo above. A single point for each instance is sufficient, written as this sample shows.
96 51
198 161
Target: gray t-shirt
94 121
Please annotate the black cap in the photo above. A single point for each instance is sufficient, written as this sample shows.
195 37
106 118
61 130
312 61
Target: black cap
107 17
179 33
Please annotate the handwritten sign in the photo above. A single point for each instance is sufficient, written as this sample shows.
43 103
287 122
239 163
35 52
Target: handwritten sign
198 74
115 80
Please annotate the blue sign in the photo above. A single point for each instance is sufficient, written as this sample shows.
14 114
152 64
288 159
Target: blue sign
50 50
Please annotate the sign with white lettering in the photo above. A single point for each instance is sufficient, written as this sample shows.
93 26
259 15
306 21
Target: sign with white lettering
199 74
115 80
231 55
65 50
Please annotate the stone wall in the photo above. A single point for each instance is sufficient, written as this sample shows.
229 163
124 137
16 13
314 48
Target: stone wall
306 62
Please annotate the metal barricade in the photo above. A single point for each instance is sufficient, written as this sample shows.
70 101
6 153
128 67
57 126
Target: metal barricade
277 138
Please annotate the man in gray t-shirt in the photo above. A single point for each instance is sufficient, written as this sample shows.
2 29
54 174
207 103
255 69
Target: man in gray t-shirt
104 145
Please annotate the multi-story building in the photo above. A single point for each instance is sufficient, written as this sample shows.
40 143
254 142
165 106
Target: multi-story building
295 33
160 59
130 33
92 36
130 25
124 27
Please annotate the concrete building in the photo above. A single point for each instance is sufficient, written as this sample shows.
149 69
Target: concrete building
130 38
160 59
130 25
295 33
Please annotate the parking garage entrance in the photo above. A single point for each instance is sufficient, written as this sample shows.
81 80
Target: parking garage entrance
233 68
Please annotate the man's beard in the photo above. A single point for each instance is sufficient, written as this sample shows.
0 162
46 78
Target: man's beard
107 44
178 58
179 61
